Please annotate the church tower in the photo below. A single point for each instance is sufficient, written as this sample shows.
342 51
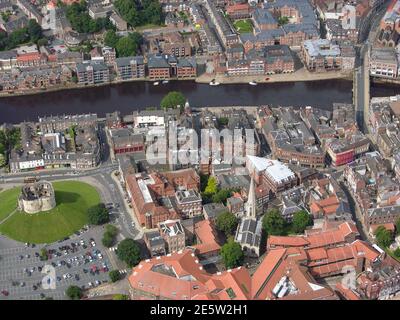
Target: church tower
251 204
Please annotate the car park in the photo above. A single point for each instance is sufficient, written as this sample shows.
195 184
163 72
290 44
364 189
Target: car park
73 262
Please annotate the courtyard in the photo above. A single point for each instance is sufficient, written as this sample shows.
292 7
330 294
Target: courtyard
243 26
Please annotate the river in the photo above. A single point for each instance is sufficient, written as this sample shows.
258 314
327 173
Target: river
128 97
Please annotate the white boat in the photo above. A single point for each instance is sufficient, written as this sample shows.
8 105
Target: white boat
156 83
165 81
252 83
213 83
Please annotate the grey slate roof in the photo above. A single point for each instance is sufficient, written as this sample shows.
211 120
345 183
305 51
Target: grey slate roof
126 61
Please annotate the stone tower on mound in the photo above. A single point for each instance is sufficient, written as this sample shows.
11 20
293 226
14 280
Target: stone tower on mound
36 197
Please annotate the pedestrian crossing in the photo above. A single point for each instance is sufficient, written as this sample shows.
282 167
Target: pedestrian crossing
123 271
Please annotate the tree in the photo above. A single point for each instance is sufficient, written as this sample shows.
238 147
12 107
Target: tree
34 31
2 160
74 292
221 195
119 296
109 235
98 214
111 39
227 223
203 181
273 223
42 42
232 254
126 47
223 121
140 12
301 220
212 186
111 230
114 275
107 240
80 20
128 251
16 38
398 226
43 254
283 20
396 253
383 237
172 100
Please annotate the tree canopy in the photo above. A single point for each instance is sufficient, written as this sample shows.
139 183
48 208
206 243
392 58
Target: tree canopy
109 235
3 161
74 292
129 252
301 220
396 253
137 13
221 196
232 254
114 275
77 14
98 214
9 139
31 33
111 38
227 223
34 31
125 46
273 223
383 237
172 100
212 186
398 226
283 20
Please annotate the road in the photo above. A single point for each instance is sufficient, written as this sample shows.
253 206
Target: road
19 284
361 83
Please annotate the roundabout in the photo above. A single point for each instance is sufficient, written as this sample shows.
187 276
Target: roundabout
72 198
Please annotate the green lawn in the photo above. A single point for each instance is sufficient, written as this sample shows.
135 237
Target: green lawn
149 26
73 199
8 201
243 26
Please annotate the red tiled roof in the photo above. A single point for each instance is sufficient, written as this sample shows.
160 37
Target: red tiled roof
164 276
387 226
237 7
168 277
317 254
292 241
206 236
347 293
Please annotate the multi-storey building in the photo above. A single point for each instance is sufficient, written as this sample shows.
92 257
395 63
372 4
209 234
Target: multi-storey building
383 62
129 68
123 140
30 10
189 203
168 66
92 73
320 55
173 234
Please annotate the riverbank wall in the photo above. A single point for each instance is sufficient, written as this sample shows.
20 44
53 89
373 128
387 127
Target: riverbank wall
298 76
